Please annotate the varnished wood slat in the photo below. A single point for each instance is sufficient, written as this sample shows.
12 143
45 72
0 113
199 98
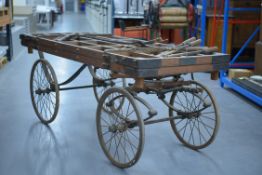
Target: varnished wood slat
87 56
143 61
167 71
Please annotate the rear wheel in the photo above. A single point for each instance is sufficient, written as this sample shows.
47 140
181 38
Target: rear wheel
104 82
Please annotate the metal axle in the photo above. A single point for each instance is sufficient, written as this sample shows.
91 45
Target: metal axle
149 122
76 87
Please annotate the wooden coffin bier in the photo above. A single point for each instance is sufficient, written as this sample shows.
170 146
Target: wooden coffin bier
130 57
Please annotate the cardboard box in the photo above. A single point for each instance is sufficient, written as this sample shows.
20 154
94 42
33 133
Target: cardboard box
237 73
258 58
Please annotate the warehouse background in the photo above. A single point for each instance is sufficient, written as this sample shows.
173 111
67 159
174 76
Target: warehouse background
70 144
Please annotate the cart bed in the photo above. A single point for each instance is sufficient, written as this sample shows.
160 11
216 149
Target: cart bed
130 57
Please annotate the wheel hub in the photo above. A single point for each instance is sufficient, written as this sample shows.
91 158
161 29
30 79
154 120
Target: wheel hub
40 91
112 128
110 83
121 127
47 90
189 115
104 83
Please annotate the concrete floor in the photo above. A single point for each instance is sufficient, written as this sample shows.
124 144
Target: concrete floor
70 145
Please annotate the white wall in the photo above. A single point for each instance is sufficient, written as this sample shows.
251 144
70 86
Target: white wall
31 2
19 2
76 6
47 2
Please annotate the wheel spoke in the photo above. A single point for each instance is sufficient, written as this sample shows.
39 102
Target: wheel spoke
51 100
200 133
124 149
132 134
208 117
212 112
110 139
130 113
185 129
105 121
116 151
48 105
187 101
45 106
105 133
208 126
118 144
205 126
181 129
179 121
41 106
132 146
192 133
39 99
181 103
191 104
128 108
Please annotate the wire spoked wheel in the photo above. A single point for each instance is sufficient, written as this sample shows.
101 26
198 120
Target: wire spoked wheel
105 81
44 91
120 131
199 120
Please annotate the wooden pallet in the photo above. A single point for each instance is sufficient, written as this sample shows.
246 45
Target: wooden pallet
3 61
5 16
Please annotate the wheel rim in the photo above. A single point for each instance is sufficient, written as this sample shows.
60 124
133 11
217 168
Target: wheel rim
104 74
121 141
199 120
44 91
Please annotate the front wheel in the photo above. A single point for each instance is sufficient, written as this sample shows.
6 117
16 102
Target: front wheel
120 130
199 118
44 91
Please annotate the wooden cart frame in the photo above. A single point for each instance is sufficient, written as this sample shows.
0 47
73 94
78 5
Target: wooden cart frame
156 69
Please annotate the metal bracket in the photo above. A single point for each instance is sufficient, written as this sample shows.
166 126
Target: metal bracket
151 111
74 76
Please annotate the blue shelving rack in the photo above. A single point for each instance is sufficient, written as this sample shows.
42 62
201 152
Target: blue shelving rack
224 80
200 21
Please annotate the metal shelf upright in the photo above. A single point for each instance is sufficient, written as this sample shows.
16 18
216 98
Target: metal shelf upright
201 22
224 80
